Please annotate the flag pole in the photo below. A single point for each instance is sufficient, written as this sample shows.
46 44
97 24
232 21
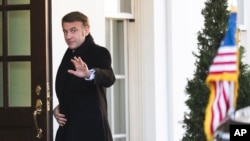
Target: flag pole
231 101
233 5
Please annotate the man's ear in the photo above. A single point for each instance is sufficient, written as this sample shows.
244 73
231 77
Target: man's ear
87 30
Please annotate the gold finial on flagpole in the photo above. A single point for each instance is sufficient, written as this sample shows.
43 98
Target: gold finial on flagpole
237 38
233 5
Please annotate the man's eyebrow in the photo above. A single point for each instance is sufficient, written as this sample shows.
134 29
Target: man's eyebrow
71 28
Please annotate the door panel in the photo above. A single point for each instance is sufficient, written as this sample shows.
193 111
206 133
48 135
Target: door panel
1 34
12 2
13 133
24 70
18 32
1 84
19 84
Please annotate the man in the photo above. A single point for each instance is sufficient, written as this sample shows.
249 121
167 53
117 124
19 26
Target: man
81 81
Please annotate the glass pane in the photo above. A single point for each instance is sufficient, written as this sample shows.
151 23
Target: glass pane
1 34
107 33
19 84
19 32
118 54
1 84
18 1
241 12
120 139
119 107
125 6
109 105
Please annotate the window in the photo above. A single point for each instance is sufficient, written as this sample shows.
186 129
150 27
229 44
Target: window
242 14
119 9
116 41
118 13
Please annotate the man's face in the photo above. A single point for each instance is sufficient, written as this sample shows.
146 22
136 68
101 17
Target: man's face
74 33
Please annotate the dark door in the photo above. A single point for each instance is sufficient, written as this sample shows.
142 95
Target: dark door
24 70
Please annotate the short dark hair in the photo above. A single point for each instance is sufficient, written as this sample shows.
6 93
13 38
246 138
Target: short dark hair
76 16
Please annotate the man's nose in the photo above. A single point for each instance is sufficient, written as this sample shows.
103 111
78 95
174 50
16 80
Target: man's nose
67 35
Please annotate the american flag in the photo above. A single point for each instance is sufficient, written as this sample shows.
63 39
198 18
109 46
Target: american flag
222 80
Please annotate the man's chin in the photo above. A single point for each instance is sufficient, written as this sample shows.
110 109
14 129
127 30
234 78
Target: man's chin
72 47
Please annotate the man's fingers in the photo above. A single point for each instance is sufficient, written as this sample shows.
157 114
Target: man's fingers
77 61
58 115
81 61
61 119
72 72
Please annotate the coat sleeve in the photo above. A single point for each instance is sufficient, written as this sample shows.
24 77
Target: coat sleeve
104 75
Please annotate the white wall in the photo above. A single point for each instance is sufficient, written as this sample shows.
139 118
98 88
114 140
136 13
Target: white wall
167 39
94 9
246 42
185 23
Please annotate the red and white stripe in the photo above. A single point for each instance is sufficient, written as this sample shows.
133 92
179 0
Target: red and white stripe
225 60
221 103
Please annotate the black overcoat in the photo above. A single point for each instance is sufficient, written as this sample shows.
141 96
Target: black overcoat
83 102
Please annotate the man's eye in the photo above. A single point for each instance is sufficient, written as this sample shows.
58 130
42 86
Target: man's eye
65 32
73 30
